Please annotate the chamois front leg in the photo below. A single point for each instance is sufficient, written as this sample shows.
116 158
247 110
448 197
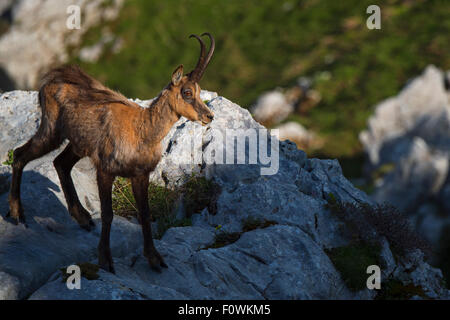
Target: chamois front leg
105 182
140 191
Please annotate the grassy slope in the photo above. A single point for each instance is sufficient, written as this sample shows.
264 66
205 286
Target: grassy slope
263 44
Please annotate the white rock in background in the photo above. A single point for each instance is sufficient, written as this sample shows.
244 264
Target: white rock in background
425 98
43 23
19 119
417 176
411 131
92 53
271 107
295 132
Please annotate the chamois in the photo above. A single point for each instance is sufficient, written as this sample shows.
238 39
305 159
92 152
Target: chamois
120 137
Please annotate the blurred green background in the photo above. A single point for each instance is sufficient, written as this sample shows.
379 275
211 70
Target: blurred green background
263 44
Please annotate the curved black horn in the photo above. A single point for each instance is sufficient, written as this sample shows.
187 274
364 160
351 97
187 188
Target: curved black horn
194 74
203 61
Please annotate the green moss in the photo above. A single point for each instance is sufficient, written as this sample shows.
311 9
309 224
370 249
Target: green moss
352 261
251 223
332 202
88 271
396 290
10 159
223 239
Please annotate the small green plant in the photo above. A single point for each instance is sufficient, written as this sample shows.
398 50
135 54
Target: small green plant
88 271
10 159
369 223
352 261
365 225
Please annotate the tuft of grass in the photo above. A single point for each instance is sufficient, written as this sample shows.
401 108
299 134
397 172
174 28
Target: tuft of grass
197 193
352 261
123 202
88 271
162 202
10 160
395 290
167 222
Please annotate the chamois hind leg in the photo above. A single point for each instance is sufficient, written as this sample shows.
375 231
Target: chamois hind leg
35 148
140 192
105 182
64 163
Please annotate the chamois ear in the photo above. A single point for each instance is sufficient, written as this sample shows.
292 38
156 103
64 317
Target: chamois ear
177 75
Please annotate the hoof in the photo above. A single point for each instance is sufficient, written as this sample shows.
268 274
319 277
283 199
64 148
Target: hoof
156 262
88 227
109 267
156 268
105 261
20 220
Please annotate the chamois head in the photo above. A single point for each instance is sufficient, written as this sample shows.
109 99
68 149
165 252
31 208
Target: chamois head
185 89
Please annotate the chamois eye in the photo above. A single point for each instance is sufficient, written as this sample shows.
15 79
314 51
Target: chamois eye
187 93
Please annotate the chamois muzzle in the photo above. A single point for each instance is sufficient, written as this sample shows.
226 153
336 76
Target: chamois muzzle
203 60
